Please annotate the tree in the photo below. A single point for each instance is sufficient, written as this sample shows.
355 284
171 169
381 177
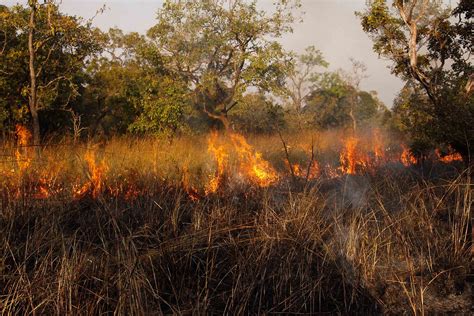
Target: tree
352 80
431 45
114 81
410 115
336 103
220 48
130 89
257 114
303 77
44 53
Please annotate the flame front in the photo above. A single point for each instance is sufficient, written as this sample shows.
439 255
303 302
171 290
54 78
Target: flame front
407 158
252 164
300 172
221 158
348 156
450 157
96 174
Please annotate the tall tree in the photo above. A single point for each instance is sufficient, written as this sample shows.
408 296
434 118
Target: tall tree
45 51
303 77
432 45
222 47
353 80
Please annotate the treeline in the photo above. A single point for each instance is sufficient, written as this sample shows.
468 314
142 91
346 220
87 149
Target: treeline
208 64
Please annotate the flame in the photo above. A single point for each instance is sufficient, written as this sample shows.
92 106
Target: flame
314 170
331 172
407 158
96 174
348 156
297 170
21 153
221 158
43 189
450 157
252 164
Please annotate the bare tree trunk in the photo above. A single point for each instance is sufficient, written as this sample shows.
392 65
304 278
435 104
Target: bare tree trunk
353 101
33 101
406 11
354 122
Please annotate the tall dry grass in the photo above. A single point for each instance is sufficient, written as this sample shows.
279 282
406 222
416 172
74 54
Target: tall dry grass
396 240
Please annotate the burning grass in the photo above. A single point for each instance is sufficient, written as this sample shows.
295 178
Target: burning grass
222 224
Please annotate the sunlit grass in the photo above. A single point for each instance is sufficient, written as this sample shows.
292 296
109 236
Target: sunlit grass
392 239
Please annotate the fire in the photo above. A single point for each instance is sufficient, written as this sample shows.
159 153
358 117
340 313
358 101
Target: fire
221 157
96 174
252 164
21 154
43 189
450 157
314 170
407 158
299 171
230 150
348 156
23 135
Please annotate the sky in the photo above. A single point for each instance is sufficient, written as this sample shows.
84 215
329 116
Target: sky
330 25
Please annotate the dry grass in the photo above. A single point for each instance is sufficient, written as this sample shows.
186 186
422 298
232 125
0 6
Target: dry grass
395 240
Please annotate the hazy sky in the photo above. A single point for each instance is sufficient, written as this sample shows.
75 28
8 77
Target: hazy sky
330 25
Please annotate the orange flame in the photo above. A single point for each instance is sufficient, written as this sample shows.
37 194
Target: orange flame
314 170
348 156
96 173
221 158
450 157
252 164
297 170
43 189
21 154
407 158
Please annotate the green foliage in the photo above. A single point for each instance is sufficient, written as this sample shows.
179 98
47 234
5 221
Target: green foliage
161 106
63 44
330 104
221 49
430 46
256 114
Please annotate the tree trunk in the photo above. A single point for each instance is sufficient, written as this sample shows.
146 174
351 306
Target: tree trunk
33 101
352 115
354 123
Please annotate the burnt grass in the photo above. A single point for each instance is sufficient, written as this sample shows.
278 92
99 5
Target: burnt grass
395 241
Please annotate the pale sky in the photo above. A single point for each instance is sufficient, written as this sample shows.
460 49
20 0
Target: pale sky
330 25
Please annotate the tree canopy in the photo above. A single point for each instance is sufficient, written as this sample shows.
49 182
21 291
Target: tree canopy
219 63
430 45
